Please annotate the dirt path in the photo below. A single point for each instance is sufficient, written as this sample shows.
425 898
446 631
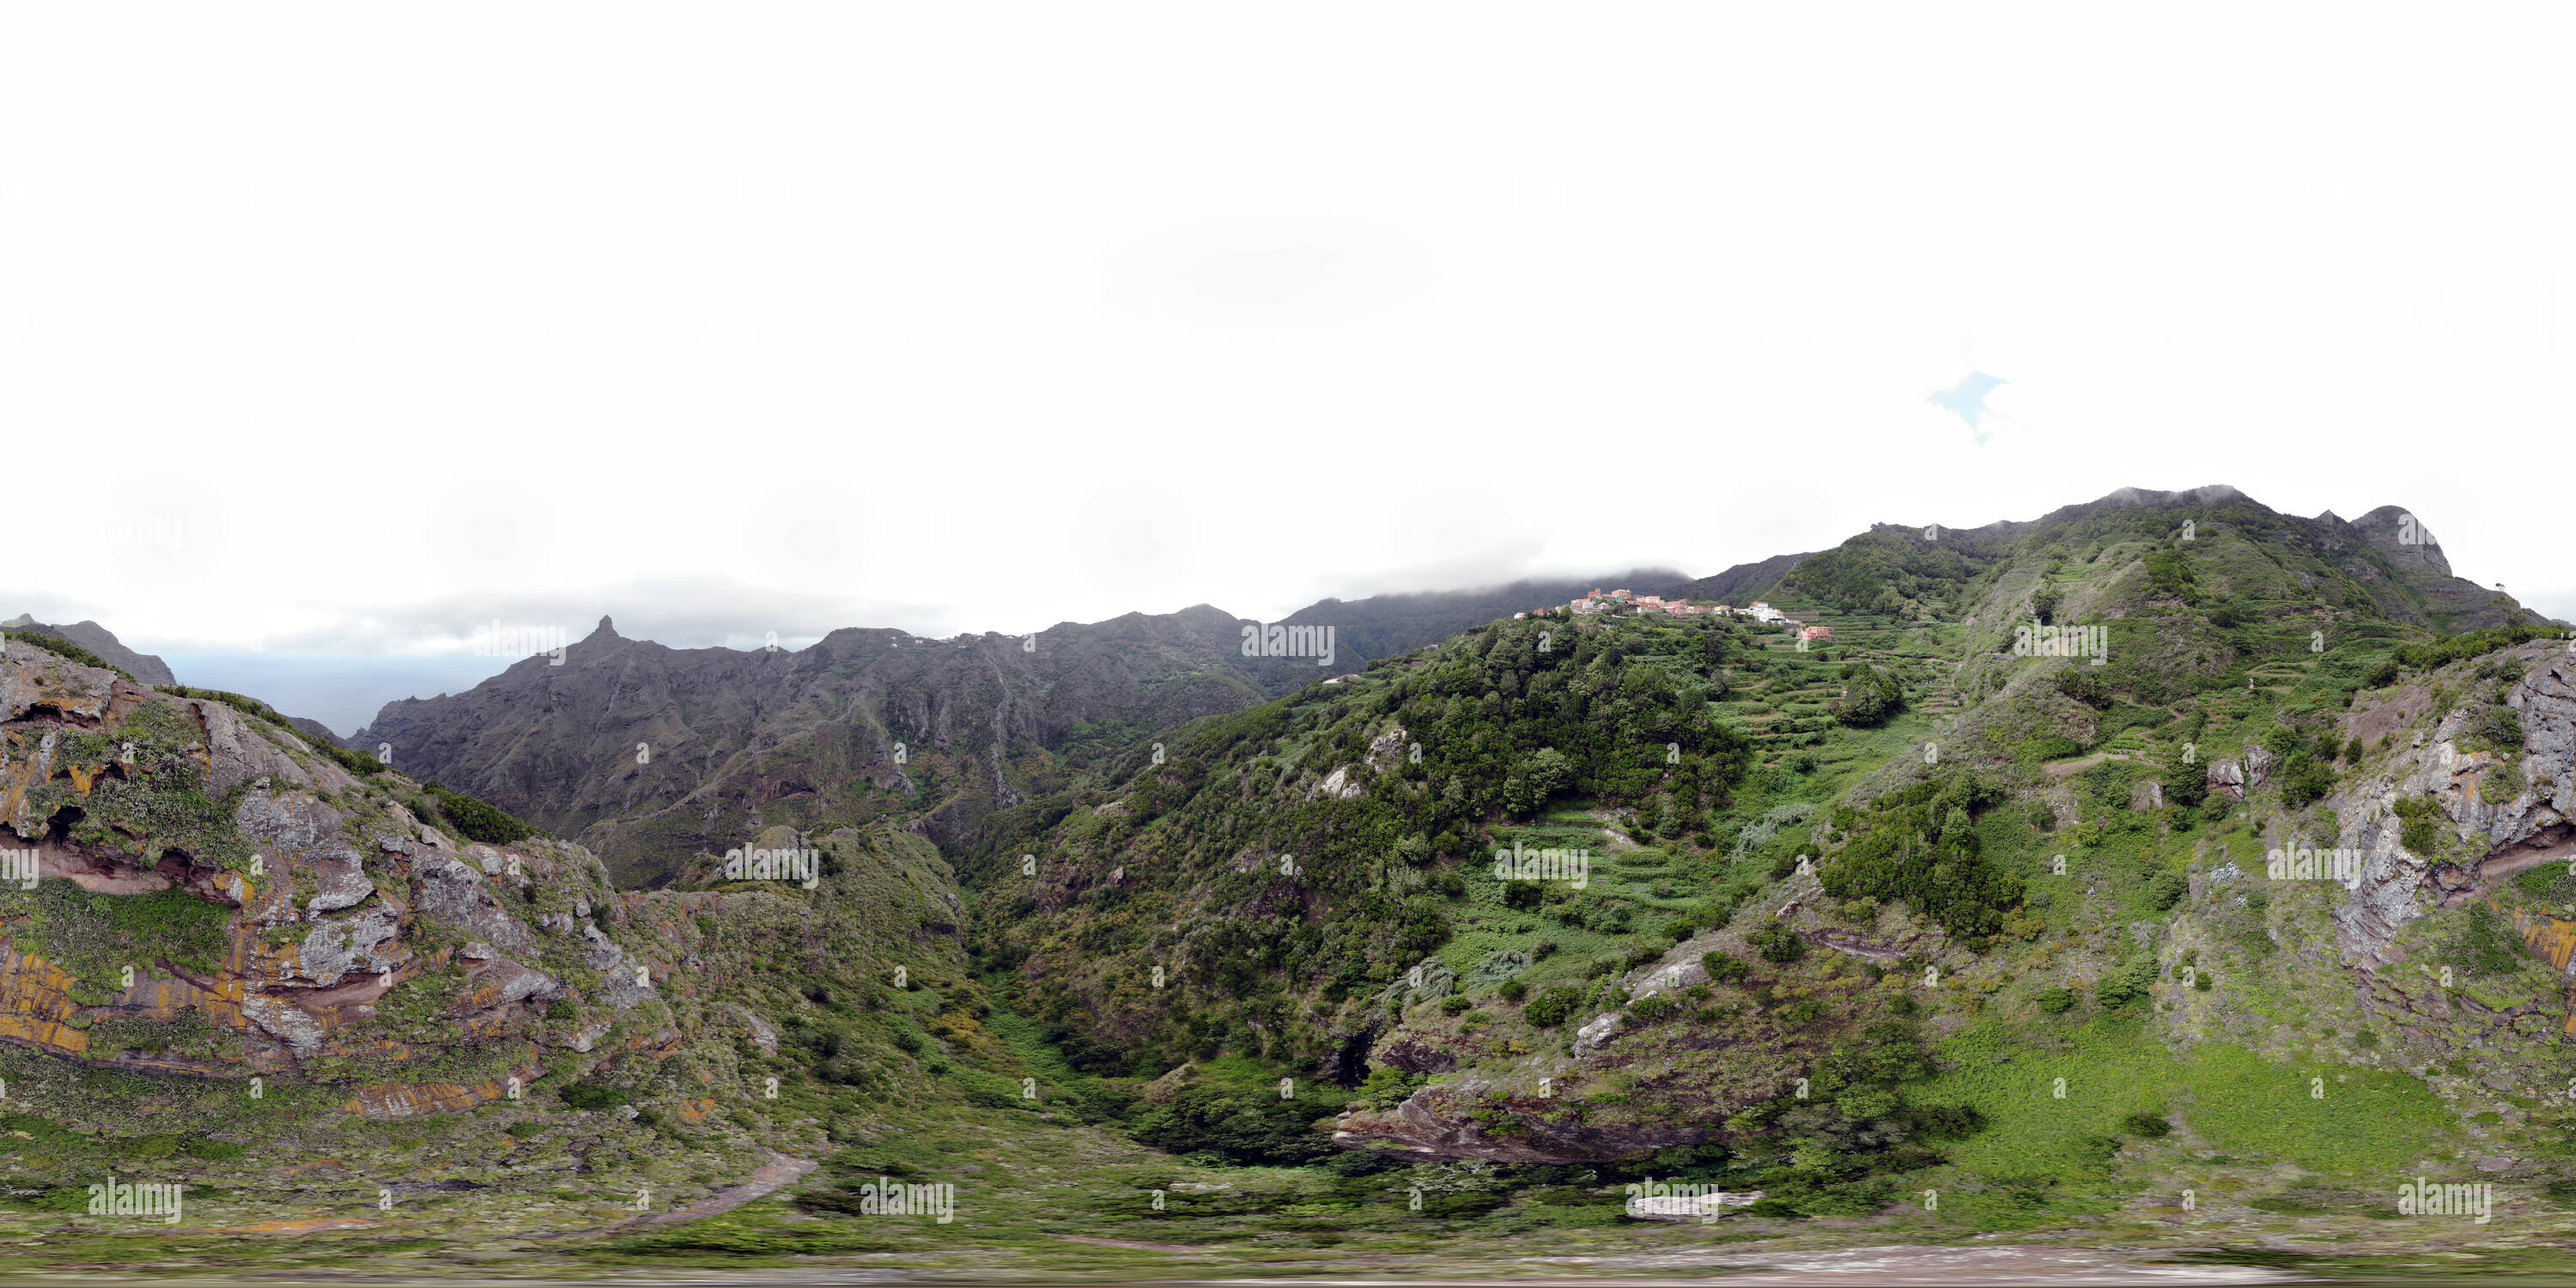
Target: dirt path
780 1171
2065 767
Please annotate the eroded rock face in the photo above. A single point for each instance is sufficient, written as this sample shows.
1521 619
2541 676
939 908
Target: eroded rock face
32 679
2234 778
1415 1054
1597 1034
101 641
452 892
1338 786
340 882
318 903
341 945
1445 1122
1387 750
2529 828
617 971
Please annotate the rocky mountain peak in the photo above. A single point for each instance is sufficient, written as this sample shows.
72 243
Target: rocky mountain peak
101 641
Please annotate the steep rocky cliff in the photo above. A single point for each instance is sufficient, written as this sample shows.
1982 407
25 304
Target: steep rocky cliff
653 755
101 641
203 894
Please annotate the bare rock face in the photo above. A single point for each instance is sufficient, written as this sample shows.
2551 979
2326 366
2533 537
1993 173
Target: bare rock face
340 946
452 892
312 891
241 752
144 667
1338 786
1414 1053
1387 750
1597 1034
2530 828
340 882
2546 702
2234 778
1460 1120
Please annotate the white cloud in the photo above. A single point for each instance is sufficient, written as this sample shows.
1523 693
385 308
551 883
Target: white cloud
966 319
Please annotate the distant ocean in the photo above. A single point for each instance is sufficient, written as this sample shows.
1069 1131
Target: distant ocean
342 692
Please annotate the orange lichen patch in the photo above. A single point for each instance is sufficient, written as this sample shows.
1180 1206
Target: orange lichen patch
2547 936
2550 937
15 779
2554 940
411 1099
34 1004
695 1111
163 999
306 1226
488 1027
82 777
482 993
374 1049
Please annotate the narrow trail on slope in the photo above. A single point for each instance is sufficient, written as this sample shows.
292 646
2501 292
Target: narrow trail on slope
780 1171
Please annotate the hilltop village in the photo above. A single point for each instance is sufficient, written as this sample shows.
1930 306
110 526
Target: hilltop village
1612 601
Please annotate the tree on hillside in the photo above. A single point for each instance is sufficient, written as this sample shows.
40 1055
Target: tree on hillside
1870 695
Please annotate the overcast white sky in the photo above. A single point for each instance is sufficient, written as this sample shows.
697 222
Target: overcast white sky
344 329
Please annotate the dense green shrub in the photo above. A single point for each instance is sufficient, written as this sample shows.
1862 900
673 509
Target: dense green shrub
1549 1008
1386 1086
2169 574
1241 1126
2165 889
1652 1010
1724 968
593 1096
2419 821
2126 983
2492 727
2433 653
475 820
2186 785
1777 943
1920 845
2485 944
1870 696
1879 570
2305 779
1800 1013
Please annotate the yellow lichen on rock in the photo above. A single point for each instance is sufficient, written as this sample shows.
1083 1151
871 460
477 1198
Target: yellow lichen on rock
35 1002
